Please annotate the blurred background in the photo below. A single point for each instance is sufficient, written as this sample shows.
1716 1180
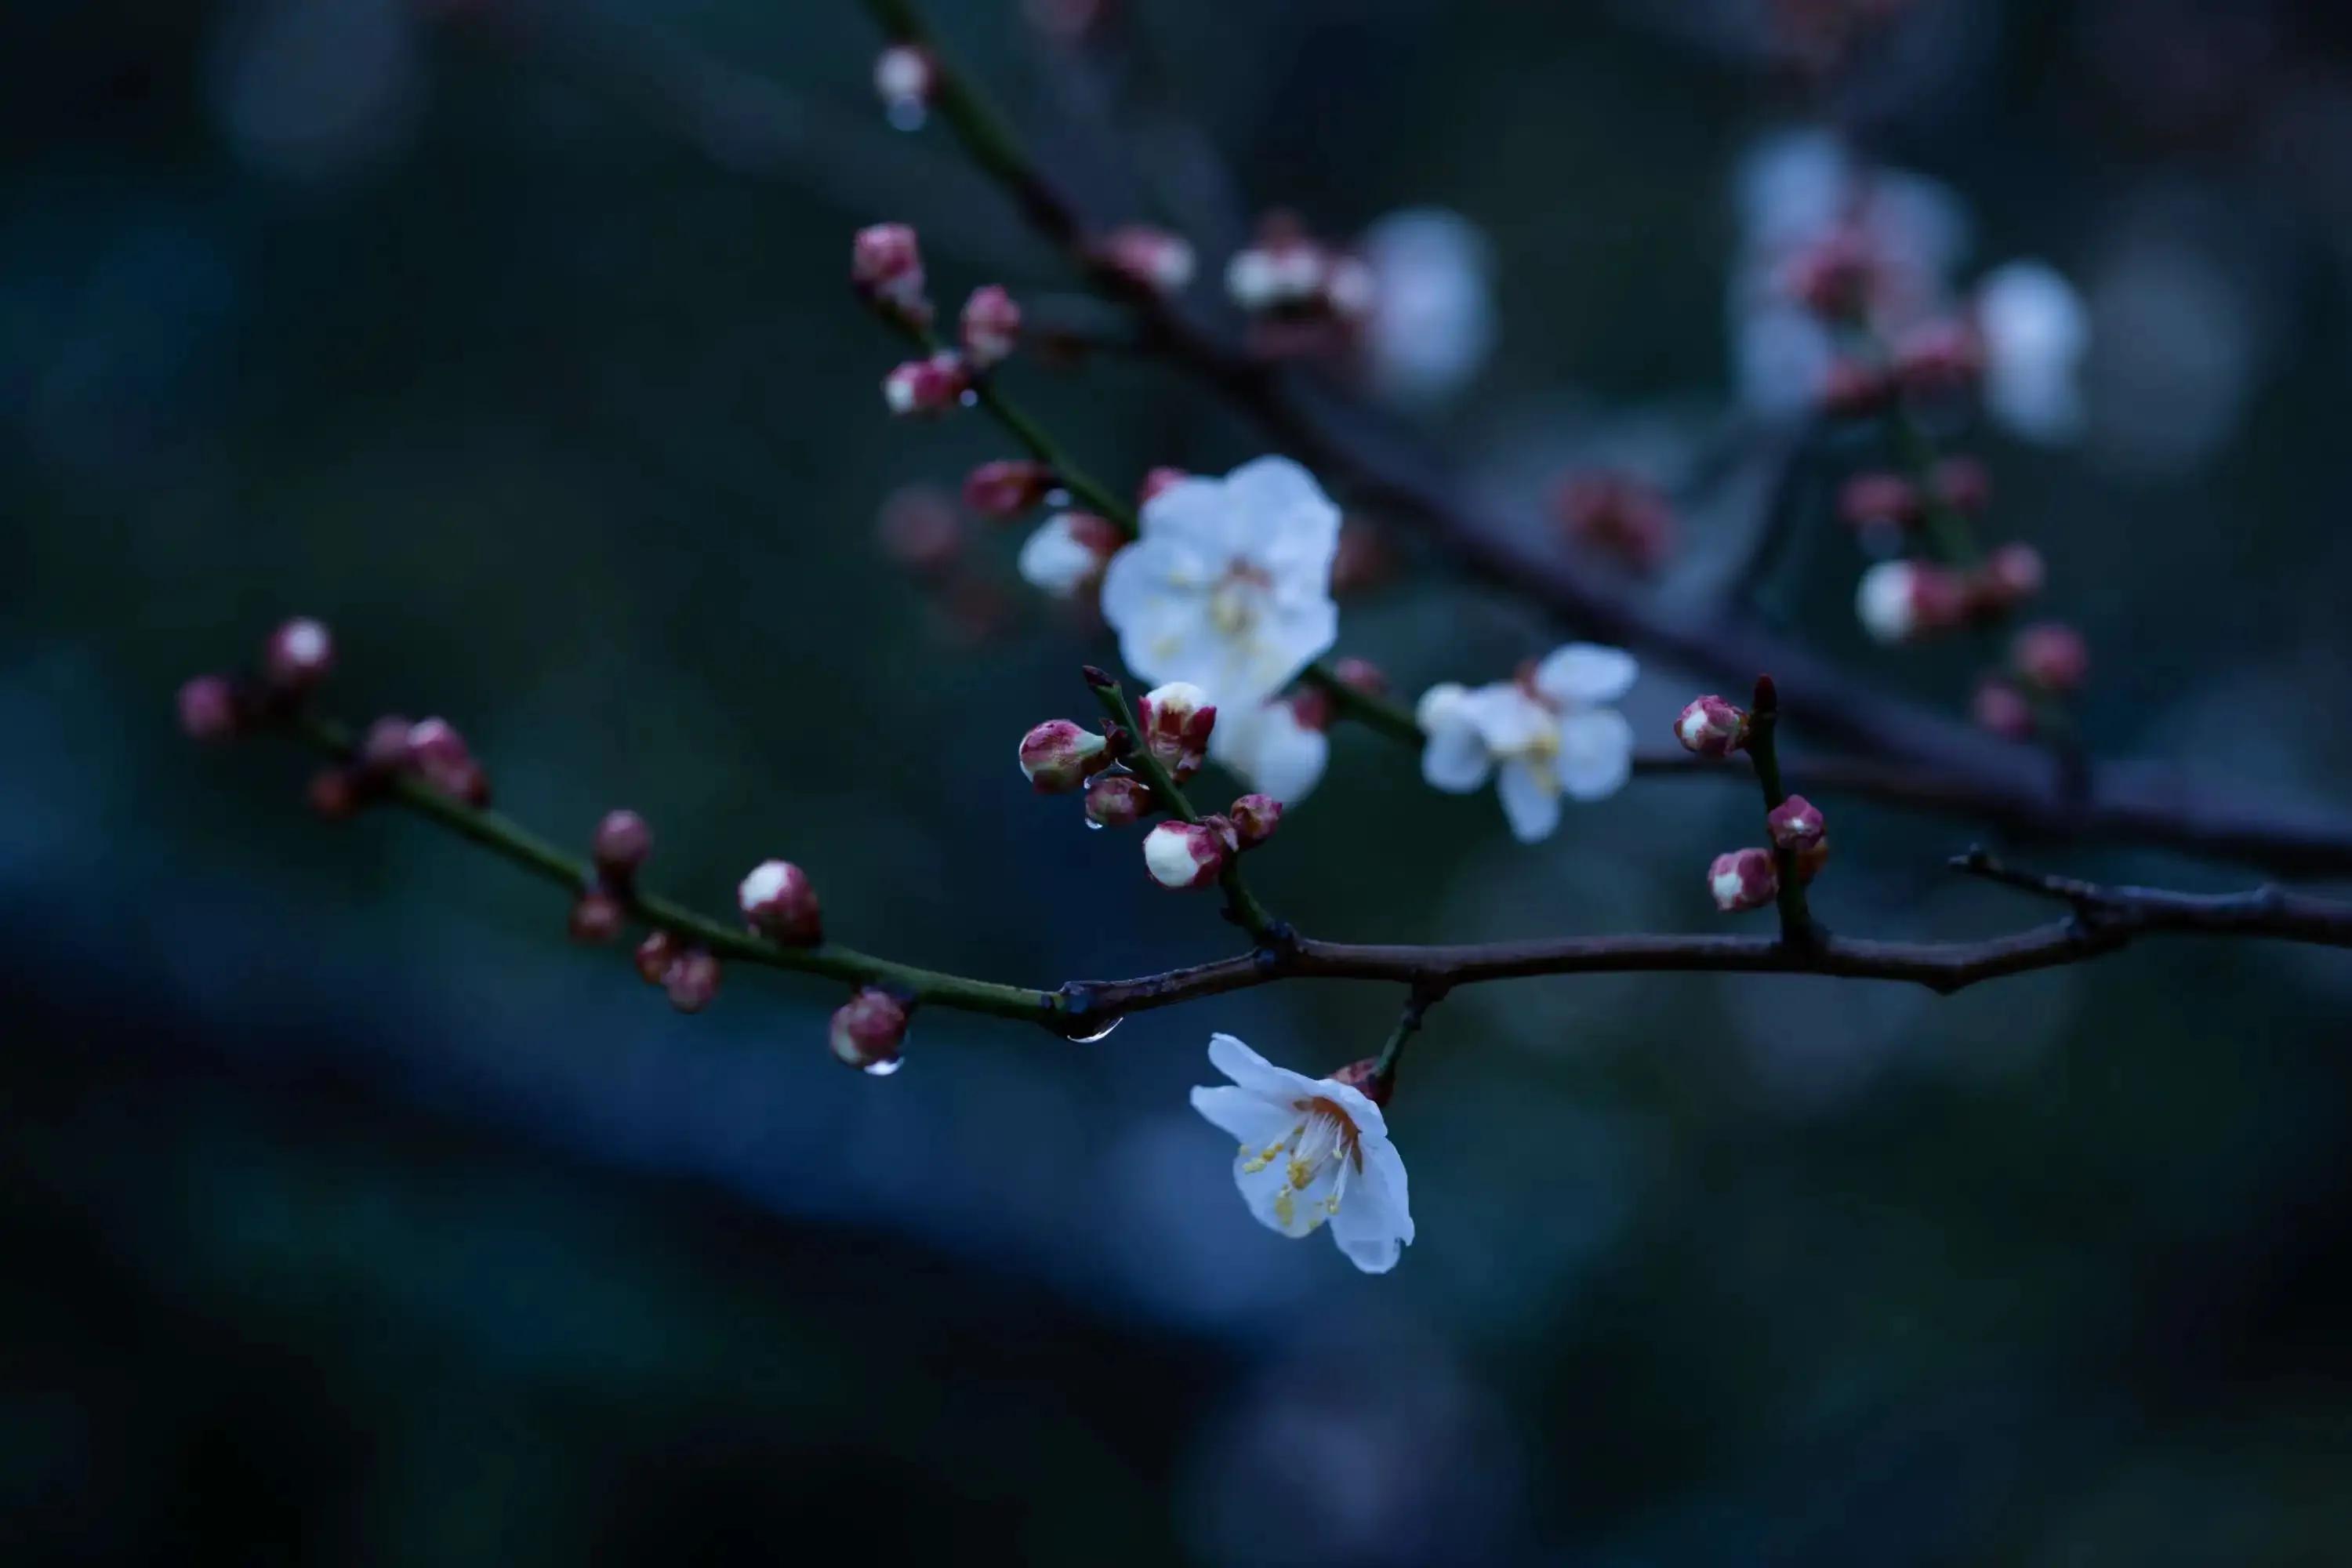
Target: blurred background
352 1216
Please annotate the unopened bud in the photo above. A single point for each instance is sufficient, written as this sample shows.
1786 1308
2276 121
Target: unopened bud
1617 514
1964 483
1118 800
2050 656
1870 498
1938 359
621 844
1177 720
920 528
1711 727
1148 257
385 749
1068 552
439 755
654 956
992 325
298 655
1058 756
869 1032
2002 708
905 76
209 708
1852 389
1743 879
927 386
597 917
1184 854
1254 817
2012 574
1834 276
1007 488
691 979
886 265
779 903
333 793
1159 479
1795 824
1901 601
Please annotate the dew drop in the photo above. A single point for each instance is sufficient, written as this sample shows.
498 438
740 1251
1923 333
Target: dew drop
906 114
969 399
1101 1034
884 1068
1092 825
1057 497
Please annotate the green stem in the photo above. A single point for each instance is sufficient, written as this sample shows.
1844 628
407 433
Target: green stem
525 848
1247 912
1408 1024
1797 928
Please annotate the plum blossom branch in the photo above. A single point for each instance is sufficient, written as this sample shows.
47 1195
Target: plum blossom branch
1958 769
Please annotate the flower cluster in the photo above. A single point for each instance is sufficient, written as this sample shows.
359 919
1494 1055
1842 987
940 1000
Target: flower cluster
1302 297
886 268
1617 515
1551 731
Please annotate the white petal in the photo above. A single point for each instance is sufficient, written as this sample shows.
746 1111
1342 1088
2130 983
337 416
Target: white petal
1359 1106
1278 1202
1441 703
1054 560
1276 488
1509 718
1271 751
1193 512
1374 1220
1585 674
1456 760
1294 637
1596 754
1257 1075
1530 797
1251 1119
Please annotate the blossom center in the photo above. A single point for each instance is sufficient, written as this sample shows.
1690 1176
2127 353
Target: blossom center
1235 597
1323 1139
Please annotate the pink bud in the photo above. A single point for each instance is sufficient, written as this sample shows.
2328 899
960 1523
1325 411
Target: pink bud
1879 497
1159 479
777 900
209 709
1147 258
904 78
1901 601
1617 514
596 918
869 1032
1833 276
1964 483
334 794
992 325
1795 824
1254 817
1743 879
1853 389
384 750
1361 674
1939 357
655 954
1177 720
2012 574
920 528
298 655
886 265
438 754
1184 854
2002 708
691 979
1118 800
621 844
1007 488
2050 656
1058 756
927 386
1711 727
1364 1077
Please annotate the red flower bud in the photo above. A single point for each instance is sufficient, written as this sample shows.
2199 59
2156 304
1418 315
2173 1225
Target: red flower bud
927 386
1834 276
886 265
385 749
298 655
1159 479
1711 727
2002 708
1254 817
1058 756
621 844
1964 483
1364 1077
209 709
869 1032
654 956
1177 720
1879 497
2050 656
1185 854
1939 359
2012 574
777 900
1147 258
1795 824
1743 879
1852 389
1007 488
1118 800
597 917
992 325
691 979
1361 674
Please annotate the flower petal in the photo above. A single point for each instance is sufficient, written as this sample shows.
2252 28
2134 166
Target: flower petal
1596 754
1374 1220
1252 1118
1456 760
1271 751
1193 512
1585 674
1257 1075
1530 797
1509 718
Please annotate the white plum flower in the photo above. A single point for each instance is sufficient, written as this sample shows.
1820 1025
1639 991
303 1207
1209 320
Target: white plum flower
2035 330
1271 750
1229 585
1550 735
1432 307
1312 1149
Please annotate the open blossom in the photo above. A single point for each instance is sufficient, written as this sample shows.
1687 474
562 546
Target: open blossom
2034 330
1312 1151
1229 585
1068 551
1276 747
1548 735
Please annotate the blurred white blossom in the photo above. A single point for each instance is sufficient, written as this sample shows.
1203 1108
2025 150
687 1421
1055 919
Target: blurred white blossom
1271 749
1432 323
2035 332
1550 734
